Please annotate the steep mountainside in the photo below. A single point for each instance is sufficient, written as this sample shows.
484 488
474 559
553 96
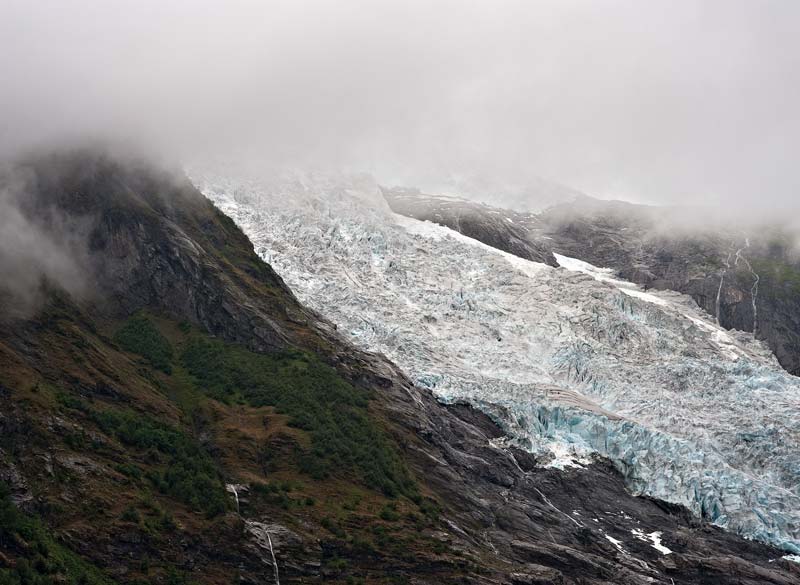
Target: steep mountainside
748 280
188 421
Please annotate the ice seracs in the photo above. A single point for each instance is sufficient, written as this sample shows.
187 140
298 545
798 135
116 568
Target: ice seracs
569 361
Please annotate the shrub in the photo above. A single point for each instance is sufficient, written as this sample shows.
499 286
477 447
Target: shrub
130 514
138 335
314 397
337 565
389 513
190 475
333 527
129 470
43 560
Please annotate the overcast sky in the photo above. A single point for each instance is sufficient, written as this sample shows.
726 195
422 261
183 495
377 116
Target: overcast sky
677 101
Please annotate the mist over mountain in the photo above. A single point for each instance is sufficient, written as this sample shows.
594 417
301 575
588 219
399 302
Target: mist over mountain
39 246
399 293
652 102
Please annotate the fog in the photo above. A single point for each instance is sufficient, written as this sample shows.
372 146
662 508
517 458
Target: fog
663 102
41 249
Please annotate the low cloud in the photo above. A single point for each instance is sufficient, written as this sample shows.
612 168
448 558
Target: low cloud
659 102
39 247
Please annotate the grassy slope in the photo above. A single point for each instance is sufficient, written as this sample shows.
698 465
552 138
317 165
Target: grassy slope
143 442
125 440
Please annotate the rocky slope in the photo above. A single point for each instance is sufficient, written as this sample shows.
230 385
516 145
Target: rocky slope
174 425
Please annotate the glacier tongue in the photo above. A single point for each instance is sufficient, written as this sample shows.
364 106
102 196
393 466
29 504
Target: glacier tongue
568 361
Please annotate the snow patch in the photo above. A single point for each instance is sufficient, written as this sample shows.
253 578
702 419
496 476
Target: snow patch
616 543
654 538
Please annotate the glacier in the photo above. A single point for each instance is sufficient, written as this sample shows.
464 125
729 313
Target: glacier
569 361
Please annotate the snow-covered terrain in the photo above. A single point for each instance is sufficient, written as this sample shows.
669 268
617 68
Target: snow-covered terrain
570 361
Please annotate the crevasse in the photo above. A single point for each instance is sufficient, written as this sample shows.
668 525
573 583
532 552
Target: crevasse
566 360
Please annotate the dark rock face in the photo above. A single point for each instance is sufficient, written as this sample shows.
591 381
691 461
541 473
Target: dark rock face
749 281
552 526
502 229
153 242
156 243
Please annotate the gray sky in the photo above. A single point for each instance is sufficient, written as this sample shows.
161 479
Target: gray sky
679 101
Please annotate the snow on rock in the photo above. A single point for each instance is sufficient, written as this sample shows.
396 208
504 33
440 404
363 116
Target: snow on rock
617 544
654 538
568 361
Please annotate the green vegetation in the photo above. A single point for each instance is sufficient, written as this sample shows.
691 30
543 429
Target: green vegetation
389 513
129 470
189 474
158 519
131 515
336 565
184 469
333 434
139 335
333 526
276 494
314 397
39 558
